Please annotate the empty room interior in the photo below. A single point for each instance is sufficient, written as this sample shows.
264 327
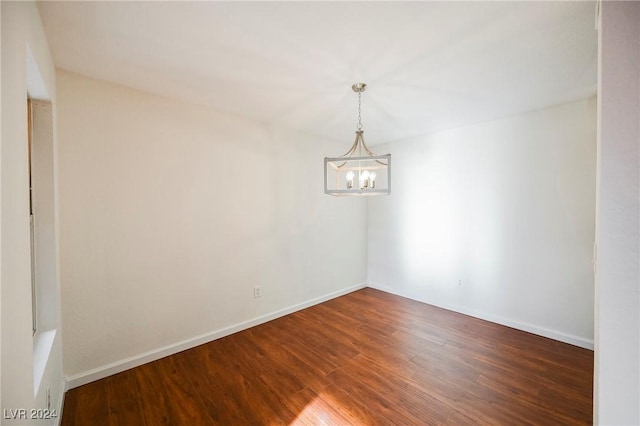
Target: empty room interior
257 213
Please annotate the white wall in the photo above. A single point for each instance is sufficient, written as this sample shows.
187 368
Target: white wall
22 30
617 363
171 213
1 102
506 208
1 136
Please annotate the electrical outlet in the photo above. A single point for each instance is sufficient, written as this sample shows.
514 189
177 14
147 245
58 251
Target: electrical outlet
257 292
48 398
459 282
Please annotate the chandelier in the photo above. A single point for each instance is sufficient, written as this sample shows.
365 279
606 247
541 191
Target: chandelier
359 171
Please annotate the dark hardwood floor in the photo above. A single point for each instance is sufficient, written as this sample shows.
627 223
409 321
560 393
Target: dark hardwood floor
365 358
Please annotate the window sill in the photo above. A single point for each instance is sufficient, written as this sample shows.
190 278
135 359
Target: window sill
42 346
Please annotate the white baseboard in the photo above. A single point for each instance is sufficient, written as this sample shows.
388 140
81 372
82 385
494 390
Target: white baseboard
540 331
135 361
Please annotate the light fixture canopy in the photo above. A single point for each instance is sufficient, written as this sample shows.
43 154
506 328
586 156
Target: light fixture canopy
359 171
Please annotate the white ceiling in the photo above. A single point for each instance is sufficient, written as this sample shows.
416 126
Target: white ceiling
428 65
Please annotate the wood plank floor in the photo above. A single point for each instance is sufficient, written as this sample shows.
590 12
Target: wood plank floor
366 358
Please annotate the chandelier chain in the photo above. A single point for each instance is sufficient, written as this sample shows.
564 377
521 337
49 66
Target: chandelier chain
359 110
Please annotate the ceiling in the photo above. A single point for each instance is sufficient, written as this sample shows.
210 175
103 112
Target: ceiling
428 65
